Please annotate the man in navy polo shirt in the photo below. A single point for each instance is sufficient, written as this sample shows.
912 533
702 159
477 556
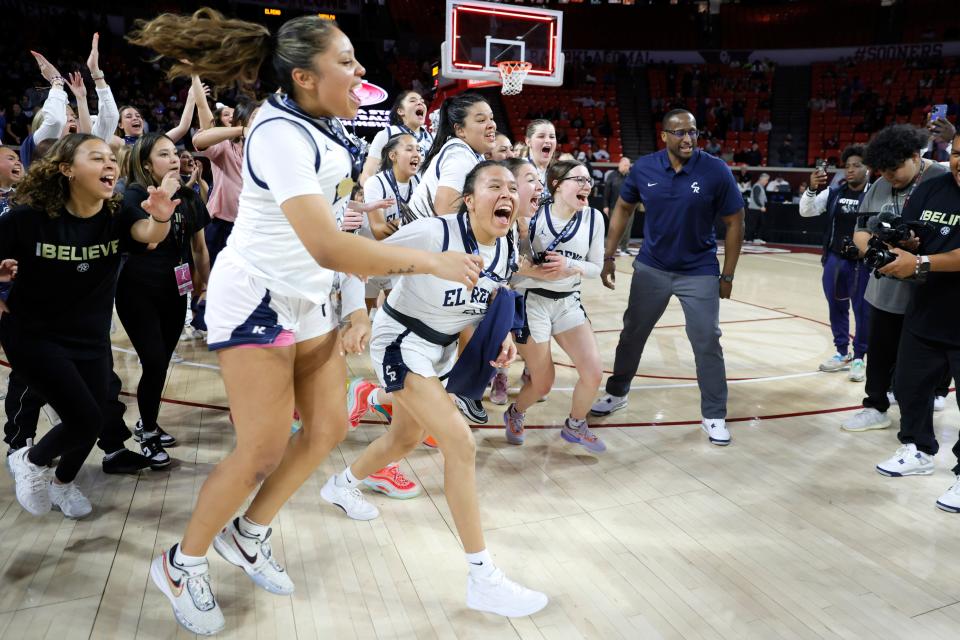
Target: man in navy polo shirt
683 190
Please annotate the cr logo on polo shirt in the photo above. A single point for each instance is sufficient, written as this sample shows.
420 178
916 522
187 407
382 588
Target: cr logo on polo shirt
695 187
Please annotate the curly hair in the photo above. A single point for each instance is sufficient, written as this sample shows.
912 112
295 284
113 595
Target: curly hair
44 187
852 150
894 144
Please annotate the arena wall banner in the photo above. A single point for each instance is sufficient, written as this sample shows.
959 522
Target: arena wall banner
917 51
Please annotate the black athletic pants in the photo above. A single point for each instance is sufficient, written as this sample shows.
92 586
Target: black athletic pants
754 225
153 318
882 344
75 388
23 406
920 364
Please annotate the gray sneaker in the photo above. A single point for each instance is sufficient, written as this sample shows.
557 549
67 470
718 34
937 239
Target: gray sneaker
865 420
582 436
607 405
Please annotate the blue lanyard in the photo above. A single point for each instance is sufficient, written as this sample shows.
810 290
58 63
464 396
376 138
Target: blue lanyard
392 181
333 129
566 234
471 245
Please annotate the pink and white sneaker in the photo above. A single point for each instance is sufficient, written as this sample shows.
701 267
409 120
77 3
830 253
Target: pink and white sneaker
391 482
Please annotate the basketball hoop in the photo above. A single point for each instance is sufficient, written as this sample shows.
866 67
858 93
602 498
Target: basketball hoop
512 75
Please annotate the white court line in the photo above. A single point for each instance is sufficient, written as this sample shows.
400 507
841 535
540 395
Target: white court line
187 363
794 262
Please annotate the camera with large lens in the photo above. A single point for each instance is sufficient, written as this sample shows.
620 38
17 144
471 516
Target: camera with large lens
849 250
878 254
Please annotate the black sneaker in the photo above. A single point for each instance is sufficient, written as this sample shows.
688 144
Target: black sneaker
152 449
166 440
126 461
472 410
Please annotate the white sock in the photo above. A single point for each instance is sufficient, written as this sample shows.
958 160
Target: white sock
373 397
346 479
182 559
576 422
481 564
250 528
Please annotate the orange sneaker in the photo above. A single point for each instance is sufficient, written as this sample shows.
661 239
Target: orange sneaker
391 482
358 393
430 442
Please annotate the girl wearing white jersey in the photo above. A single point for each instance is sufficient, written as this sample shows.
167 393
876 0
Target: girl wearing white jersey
541 139
465 132
566 241
396 181
413 346
407 115
268 309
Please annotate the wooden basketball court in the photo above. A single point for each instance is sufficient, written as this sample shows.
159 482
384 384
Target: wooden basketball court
787 533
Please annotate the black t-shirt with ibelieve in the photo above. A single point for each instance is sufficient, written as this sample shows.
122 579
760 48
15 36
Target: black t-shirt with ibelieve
67 274
934 311
155 267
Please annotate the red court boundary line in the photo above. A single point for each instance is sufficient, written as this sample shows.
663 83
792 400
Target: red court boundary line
615 425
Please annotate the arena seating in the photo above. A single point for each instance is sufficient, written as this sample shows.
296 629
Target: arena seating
849 103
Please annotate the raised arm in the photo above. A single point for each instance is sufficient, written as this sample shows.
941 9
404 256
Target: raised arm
186 118
108 115
55 106
204 115
75 81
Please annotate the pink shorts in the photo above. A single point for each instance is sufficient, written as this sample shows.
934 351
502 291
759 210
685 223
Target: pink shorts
284 339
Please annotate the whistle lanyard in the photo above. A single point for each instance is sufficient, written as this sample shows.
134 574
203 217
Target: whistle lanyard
566 234
395 187
471 245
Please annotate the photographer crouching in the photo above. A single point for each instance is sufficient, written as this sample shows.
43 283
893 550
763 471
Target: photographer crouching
931 332
894 156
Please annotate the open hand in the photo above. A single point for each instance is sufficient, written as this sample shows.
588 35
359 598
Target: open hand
457 267
158 203
75 81
47 70
367 207
93 60
608 275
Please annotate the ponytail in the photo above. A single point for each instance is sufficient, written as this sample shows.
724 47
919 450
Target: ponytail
453 112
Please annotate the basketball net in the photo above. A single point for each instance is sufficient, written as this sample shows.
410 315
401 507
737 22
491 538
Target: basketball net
512 75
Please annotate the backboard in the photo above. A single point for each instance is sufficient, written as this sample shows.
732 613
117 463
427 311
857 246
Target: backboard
481 34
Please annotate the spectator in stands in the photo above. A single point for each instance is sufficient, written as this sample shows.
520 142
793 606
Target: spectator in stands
713 147
577 122
18 125
587 138
753 157
786 153
11 172
611 191
605 129
601 155
737 110
756 209
191 175
744 183
778 184
764 126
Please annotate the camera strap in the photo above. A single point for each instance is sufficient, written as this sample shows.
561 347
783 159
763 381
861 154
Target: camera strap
913 186
472 246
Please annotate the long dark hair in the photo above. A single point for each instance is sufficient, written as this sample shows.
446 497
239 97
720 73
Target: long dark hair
453 112
226 51
139 156
386 164
395 118
44 187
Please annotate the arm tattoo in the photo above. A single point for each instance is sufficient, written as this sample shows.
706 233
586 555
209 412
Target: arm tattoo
400 272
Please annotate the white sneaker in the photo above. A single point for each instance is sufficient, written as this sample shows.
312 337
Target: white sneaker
31 481
858 370
865 420
608 404
759 241
255 556
907 461
837 363
350 500
939 403
51 415
500 595
950 501
69 500
892 399
188 590
716 430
